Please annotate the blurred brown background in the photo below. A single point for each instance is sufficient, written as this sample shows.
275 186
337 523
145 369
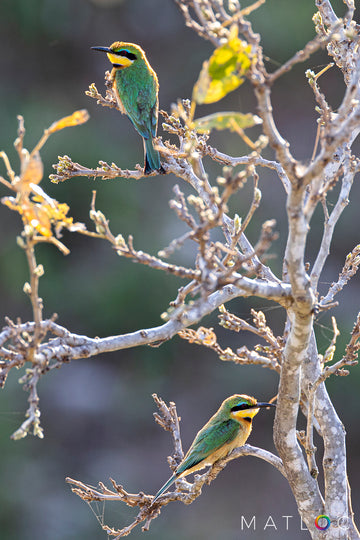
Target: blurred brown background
97 413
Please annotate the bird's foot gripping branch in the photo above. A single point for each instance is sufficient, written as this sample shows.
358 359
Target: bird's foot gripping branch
220 441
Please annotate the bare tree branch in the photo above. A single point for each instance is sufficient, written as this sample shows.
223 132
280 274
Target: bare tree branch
168 419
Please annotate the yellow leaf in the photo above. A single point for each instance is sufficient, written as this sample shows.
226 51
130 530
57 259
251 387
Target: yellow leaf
226 120
75 119
32 174
41 214
224 71
202 85
35 216
40 220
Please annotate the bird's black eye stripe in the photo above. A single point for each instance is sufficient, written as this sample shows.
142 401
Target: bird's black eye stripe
126 53
241 407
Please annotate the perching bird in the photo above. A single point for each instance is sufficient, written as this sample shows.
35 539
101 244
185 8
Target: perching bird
136 88
227 429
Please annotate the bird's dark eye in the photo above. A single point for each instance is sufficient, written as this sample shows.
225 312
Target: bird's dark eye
241 407
126 53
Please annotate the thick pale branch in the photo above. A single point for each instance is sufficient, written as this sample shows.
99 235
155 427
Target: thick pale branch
70 346
303 484
327 12
333 434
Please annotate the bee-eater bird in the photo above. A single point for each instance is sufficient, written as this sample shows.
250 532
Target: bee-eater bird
227 429
136 88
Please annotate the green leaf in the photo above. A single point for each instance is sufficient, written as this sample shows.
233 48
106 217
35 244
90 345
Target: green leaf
223 72
226 120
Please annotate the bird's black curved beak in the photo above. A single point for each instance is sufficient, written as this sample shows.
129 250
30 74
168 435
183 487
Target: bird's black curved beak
103 49
264 405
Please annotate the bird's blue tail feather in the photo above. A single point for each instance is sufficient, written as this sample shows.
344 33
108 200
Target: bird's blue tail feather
152 157
165 487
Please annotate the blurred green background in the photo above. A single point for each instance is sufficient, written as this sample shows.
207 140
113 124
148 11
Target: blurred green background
97 413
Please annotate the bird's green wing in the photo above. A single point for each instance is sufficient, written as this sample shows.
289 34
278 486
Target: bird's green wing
139 98
144 116
208 440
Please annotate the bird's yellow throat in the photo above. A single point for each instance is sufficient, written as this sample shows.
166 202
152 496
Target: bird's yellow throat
119 60
247 413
